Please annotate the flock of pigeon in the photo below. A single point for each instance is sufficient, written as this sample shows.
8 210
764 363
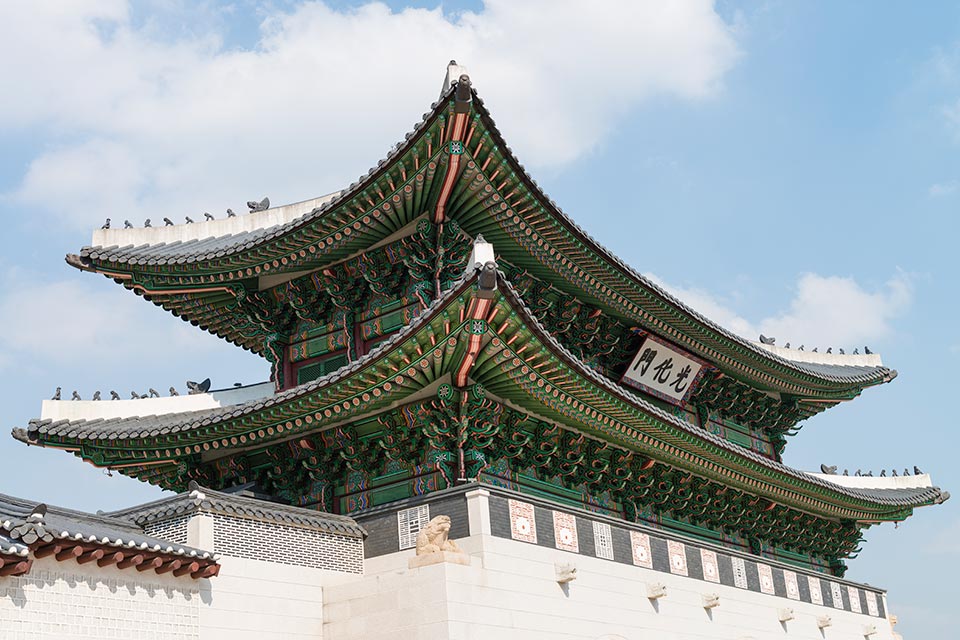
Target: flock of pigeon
193 388
832 471
253 205
771 341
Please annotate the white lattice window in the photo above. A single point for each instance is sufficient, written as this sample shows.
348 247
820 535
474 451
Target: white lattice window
410 522
602 540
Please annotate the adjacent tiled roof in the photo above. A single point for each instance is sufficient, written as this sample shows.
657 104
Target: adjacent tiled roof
146 426
902 497
201 499
9 546
57 523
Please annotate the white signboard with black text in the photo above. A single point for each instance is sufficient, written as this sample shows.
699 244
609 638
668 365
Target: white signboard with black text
664 371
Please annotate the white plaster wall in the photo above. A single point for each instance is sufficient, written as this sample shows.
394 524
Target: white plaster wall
69 601
252 599
510 592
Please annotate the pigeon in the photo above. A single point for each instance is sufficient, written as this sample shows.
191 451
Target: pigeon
134 395
198 387
867 351
231 214
127 224
114 395
765 340
146 223
829 349
263 205
167 222
189 221
106 225
883 473
153 393
96 395
56 394
208 216
173 391
75 396
916 471
800 348
830 471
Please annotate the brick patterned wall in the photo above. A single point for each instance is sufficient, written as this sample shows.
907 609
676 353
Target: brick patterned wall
271 542
381 525
173 530
61 605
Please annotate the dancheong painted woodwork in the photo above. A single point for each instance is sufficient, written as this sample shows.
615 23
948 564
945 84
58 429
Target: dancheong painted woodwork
441 322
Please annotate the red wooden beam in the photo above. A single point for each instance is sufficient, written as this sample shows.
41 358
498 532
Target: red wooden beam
16 568
69 552
47 550
113 558
207 572
90 556
130 561
187 568
172 565
150 564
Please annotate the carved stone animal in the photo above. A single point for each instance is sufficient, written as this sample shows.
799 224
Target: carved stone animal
433 537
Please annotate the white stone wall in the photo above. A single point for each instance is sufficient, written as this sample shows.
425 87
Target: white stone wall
69 601
510 591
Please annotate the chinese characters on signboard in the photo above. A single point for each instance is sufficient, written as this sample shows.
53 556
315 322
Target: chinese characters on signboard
663 371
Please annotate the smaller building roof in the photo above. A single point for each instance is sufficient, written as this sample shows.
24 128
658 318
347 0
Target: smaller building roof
203 500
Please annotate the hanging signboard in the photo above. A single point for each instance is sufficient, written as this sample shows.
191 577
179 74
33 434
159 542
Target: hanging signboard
663 370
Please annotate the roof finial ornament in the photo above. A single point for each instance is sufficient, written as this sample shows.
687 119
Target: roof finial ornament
106 225
127 224
867 351
830 471
167 222
38 512
146 223
56 394
96 395
173 392
231 214
765 340
255 206
114 395
454 73
208 216
75 396
198 387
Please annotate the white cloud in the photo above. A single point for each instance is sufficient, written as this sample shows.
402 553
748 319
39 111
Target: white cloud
825 310
941 189
145 126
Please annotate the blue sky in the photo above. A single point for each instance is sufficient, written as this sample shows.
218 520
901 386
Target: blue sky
791 168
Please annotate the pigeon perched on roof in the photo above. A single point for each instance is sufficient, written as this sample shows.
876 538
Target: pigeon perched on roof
56 394
830 471
167 222
207 215
75 396
114 395
146 223
867 351
153 393
173 391
231 214
106 225
127 224
765 340
254 206
96 395
189 220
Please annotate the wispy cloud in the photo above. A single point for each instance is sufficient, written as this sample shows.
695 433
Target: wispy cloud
173 127
824 310
941 189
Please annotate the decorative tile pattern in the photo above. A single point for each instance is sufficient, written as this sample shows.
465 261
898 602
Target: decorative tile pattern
837 594
766 578
854 594
816 597
602 540
677 553
711 569
410 522
739 572
790 579
872 607
565 532
523 524
640 543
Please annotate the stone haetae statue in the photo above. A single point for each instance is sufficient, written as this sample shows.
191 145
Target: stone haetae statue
433 537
